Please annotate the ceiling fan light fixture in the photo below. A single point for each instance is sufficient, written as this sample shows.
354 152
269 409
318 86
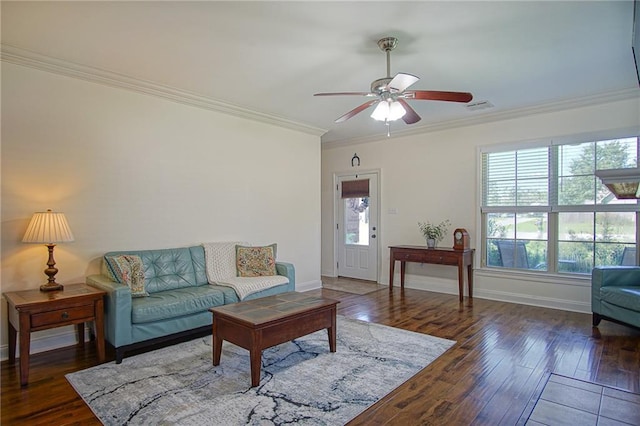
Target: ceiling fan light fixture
388 111
381 112
396 111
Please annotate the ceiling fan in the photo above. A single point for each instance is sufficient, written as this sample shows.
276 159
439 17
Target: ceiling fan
390 93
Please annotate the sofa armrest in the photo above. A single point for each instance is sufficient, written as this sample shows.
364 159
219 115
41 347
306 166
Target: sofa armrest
618 276
117 306
611 276
287 270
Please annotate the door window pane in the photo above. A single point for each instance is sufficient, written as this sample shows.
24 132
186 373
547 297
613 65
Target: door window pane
356 220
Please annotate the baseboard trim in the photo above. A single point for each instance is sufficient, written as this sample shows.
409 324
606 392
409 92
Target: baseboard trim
501 296
309 285
61 337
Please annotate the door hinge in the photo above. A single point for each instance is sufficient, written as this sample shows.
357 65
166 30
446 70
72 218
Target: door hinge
337 226
337 265
336 187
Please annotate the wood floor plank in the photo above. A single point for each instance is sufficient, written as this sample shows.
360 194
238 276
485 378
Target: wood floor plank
502 353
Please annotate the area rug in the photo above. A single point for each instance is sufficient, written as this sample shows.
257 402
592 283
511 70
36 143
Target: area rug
301 381
354 287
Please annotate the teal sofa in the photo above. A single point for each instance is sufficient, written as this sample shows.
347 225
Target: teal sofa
615 294
178 302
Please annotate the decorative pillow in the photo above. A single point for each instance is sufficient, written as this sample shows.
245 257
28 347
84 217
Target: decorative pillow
256 261
128 269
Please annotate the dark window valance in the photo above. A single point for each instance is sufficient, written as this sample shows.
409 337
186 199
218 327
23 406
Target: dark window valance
355 188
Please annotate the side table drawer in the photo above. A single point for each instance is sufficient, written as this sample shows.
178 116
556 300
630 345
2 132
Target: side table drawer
441 258
407 256
426 256
62 315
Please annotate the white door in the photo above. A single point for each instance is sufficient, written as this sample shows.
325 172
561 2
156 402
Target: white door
357 227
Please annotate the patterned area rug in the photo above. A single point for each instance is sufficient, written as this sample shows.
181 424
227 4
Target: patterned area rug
301 381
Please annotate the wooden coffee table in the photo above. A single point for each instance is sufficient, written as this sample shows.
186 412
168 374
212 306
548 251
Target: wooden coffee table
261 323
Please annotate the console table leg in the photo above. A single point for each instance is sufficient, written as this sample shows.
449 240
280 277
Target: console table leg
470 276
392 268
460 282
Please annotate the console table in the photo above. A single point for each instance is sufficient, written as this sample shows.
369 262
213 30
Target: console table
439 256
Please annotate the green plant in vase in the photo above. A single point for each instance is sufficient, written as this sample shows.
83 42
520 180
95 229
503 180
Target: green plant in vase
434 233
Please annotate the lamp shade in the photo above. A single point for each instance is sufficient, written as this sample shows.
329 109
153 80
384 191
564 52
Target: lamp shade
381 112
388 111
48 228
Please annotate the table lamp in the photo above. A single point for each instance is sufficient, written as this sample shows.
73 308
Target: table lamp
49 228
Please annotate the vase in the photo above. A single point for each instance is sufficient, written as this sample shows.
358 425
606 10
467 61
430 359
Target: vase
431 243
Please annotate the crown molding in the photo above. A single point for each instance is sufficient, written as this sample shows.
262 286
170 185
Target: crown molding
18 56
483 118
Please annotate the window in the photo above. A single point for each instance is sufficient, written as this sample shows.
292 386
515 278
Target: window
355 196
544 210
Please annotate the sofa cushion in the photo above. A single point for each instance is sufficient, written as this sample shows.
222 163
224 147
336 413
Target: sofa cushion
625 297
256 261
165 269
128 269
179 302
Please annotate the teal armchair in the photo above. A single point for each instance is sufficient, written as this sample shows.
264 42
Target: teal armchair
615 294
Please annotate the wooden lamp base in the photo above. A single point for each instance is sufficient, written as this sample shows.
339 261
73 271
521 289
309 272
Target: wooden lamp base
51 272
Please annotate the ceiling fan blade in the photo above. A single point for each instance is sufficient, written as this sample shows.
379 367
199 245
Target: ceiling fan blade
401 81
411 116
434 95
357 110
345 94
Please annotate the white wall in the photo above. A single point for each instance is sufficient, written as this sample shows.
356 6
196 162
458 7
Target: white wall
132 171
434 176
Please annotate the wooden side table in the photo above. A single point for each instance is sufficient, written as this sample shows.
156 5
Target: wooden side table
34 310
439 256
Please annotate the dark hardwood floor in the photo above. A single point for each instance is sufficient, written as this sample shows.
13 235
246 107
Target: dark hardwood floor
488 377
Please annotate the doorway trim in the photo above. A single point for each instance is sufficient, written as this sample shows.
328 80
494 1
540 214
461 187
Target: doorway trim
336 216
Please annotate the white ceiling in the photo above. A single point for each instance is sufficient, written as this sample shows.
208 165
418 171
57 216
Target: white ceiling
271 57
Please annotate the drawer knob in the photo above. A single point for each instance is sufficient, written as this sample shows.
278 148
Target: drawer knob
65 315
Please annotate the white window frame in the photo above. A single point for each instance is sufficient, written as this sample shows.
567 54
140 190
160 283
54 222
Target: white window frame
552 211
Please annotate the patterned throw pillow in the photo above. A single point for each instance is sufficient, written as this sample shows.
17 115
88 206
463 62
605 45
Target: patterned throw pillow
256 261
128 269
